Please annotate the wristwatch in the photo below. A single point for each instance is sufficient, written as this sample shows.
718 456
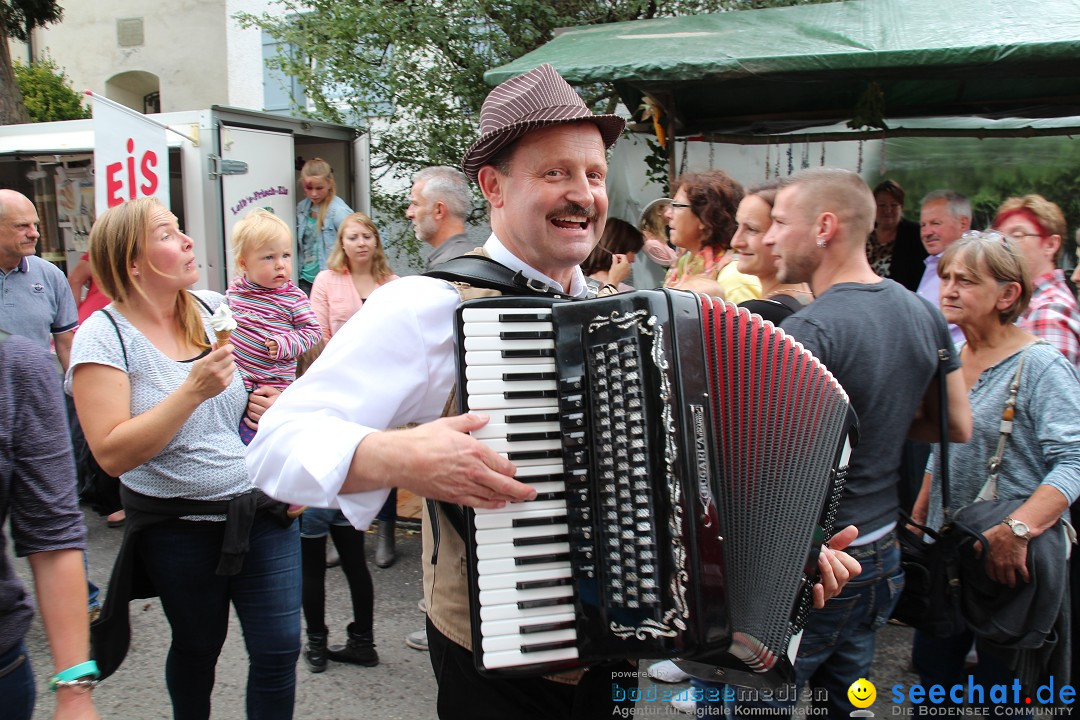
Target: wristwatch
1019 529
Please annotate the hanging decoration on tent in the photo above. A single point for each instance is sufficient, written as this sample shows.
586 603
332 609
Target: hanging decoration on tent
650 110
858 167
768 157
712 149
869 111
822 162
682 163
881 170
790 158
805 155
777 173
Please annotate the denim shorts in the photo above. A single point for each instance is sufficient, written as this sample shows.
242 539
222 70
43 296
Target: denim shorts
316 522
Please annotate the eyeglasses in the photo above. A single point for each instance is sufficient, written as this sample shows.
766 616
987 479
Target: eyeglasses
680 205
1019 235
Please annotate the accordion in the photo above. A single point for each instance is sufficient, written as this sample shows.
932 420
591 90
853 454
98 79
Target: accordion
687 457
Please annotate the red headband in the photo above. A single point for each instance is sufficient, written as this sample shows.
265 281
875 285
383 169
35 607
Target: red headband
1025 214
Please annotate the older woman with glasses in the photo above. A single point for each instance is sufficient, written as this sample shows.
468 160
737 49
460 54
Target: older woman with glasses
984 288
1038 226
702 222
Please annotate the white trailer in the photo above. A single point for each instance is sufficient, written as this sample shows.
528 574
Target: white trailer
230 161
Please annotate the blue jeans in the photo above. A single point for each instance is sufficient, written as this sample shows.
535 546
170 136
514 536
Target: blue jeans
389 509
181 558
941 661
316 522
17 683
837 645
92 591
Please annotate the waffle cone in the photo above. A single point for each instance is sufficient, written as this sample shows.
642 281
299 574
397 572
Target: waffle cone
223 336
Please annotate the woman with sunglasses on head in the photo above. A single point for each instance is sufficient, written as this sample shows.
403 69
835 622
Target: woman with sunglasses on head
1037 226
318 217
702 222
984 288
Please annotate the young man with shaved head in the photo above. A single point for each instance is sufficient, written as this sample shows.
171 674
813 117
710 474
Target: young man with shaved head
881 342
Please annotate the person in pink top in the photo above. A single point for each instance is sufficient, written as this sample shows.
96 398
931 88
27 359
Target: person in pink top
356 266
80 278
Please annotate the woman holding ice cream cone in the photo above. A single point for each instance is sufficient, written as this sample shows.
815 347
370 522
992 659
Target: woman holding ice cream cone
160 404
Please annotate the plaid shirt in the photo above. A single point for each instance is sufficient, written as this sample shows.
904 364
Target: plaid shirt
1053 315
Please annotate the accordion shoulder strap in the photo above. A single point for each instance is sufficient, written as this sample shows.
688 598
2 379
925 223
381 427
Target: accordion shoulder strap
480 271
475 269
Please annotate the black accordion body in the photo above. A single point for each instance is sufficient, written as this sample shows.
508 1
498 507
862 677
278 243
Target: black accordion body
687 458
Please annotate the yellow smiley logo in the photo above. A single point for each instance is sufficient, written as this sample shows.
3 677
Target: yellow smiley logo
862 693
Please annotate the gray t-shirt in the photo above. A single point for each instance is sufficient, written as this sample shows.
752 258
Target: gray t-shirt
881 342
1044 447
205 459
37 474
454 246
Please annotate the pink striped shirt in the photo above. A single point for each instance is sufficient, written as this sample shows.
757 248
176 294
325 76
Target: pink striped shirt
283 315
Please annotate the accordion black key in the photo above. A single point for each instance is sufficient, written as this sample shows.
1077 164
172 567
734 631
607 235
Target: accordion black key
687 458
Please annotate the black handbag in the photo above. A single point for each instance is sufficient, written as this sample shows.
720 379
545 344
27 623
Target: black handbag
930 600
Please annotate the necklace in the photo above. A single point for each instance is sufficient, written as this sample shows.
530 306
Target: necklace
792 289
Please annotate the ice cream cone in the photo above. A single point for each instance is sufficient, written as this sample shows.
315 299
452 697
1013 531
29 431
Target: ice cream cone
223 336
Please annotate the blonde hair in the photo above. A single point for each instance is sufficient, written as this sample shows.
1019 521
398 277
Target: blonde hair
339 262
1003 260
257 229
118 239
320 169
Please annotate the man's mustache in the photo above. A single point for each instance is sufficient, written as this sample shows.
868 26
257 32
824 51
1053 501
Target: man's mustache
573 209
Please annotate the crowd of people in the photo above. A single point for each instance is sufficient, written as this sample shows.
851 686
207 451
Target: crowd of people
248 427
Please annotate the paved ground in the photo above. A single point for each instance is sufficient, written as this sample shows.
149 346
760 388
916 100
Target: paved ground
400 687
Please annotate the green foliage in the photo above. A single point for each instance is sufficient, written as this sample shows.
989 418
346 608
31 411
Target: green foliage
20 16
988 171
47 92
413 69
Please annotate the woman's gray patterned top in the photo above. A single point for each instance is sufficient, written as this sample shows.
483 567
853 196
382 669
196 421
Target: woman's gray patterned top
205 459
1044 447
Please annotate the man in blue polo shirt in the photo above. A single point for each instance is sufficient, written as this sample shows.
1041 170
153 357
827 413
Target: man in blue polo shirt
35 299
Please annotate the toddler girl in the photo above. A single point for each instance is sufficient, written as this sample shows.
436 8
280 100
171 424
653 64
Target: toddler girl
275 322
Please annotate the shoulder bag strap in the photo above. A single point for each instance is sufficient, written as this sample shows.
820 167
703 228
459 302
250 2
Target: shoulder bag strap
201 302
943 452
119 337
993 466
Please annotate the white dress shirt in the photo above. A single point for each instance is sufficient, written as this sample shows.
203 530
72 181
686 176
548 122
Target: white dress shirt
393 363
930 288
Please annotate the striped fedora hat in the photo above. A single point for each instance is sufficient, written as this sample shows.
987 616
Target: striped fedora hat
528 102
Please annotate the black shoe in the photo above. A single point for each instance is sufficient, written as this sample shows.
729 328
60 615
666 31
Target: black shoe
359 649
315 651
384 544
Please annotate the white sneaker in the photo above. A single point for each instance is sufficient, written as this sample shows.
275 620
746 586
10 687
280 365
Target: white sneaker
684 704
667 671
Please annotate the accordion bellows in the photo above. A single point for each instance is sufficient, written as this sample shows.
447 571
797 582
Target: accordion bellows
688 457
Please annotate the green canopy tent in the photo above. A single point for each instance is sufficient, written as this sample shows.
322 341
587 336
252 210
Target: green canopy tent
770 71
